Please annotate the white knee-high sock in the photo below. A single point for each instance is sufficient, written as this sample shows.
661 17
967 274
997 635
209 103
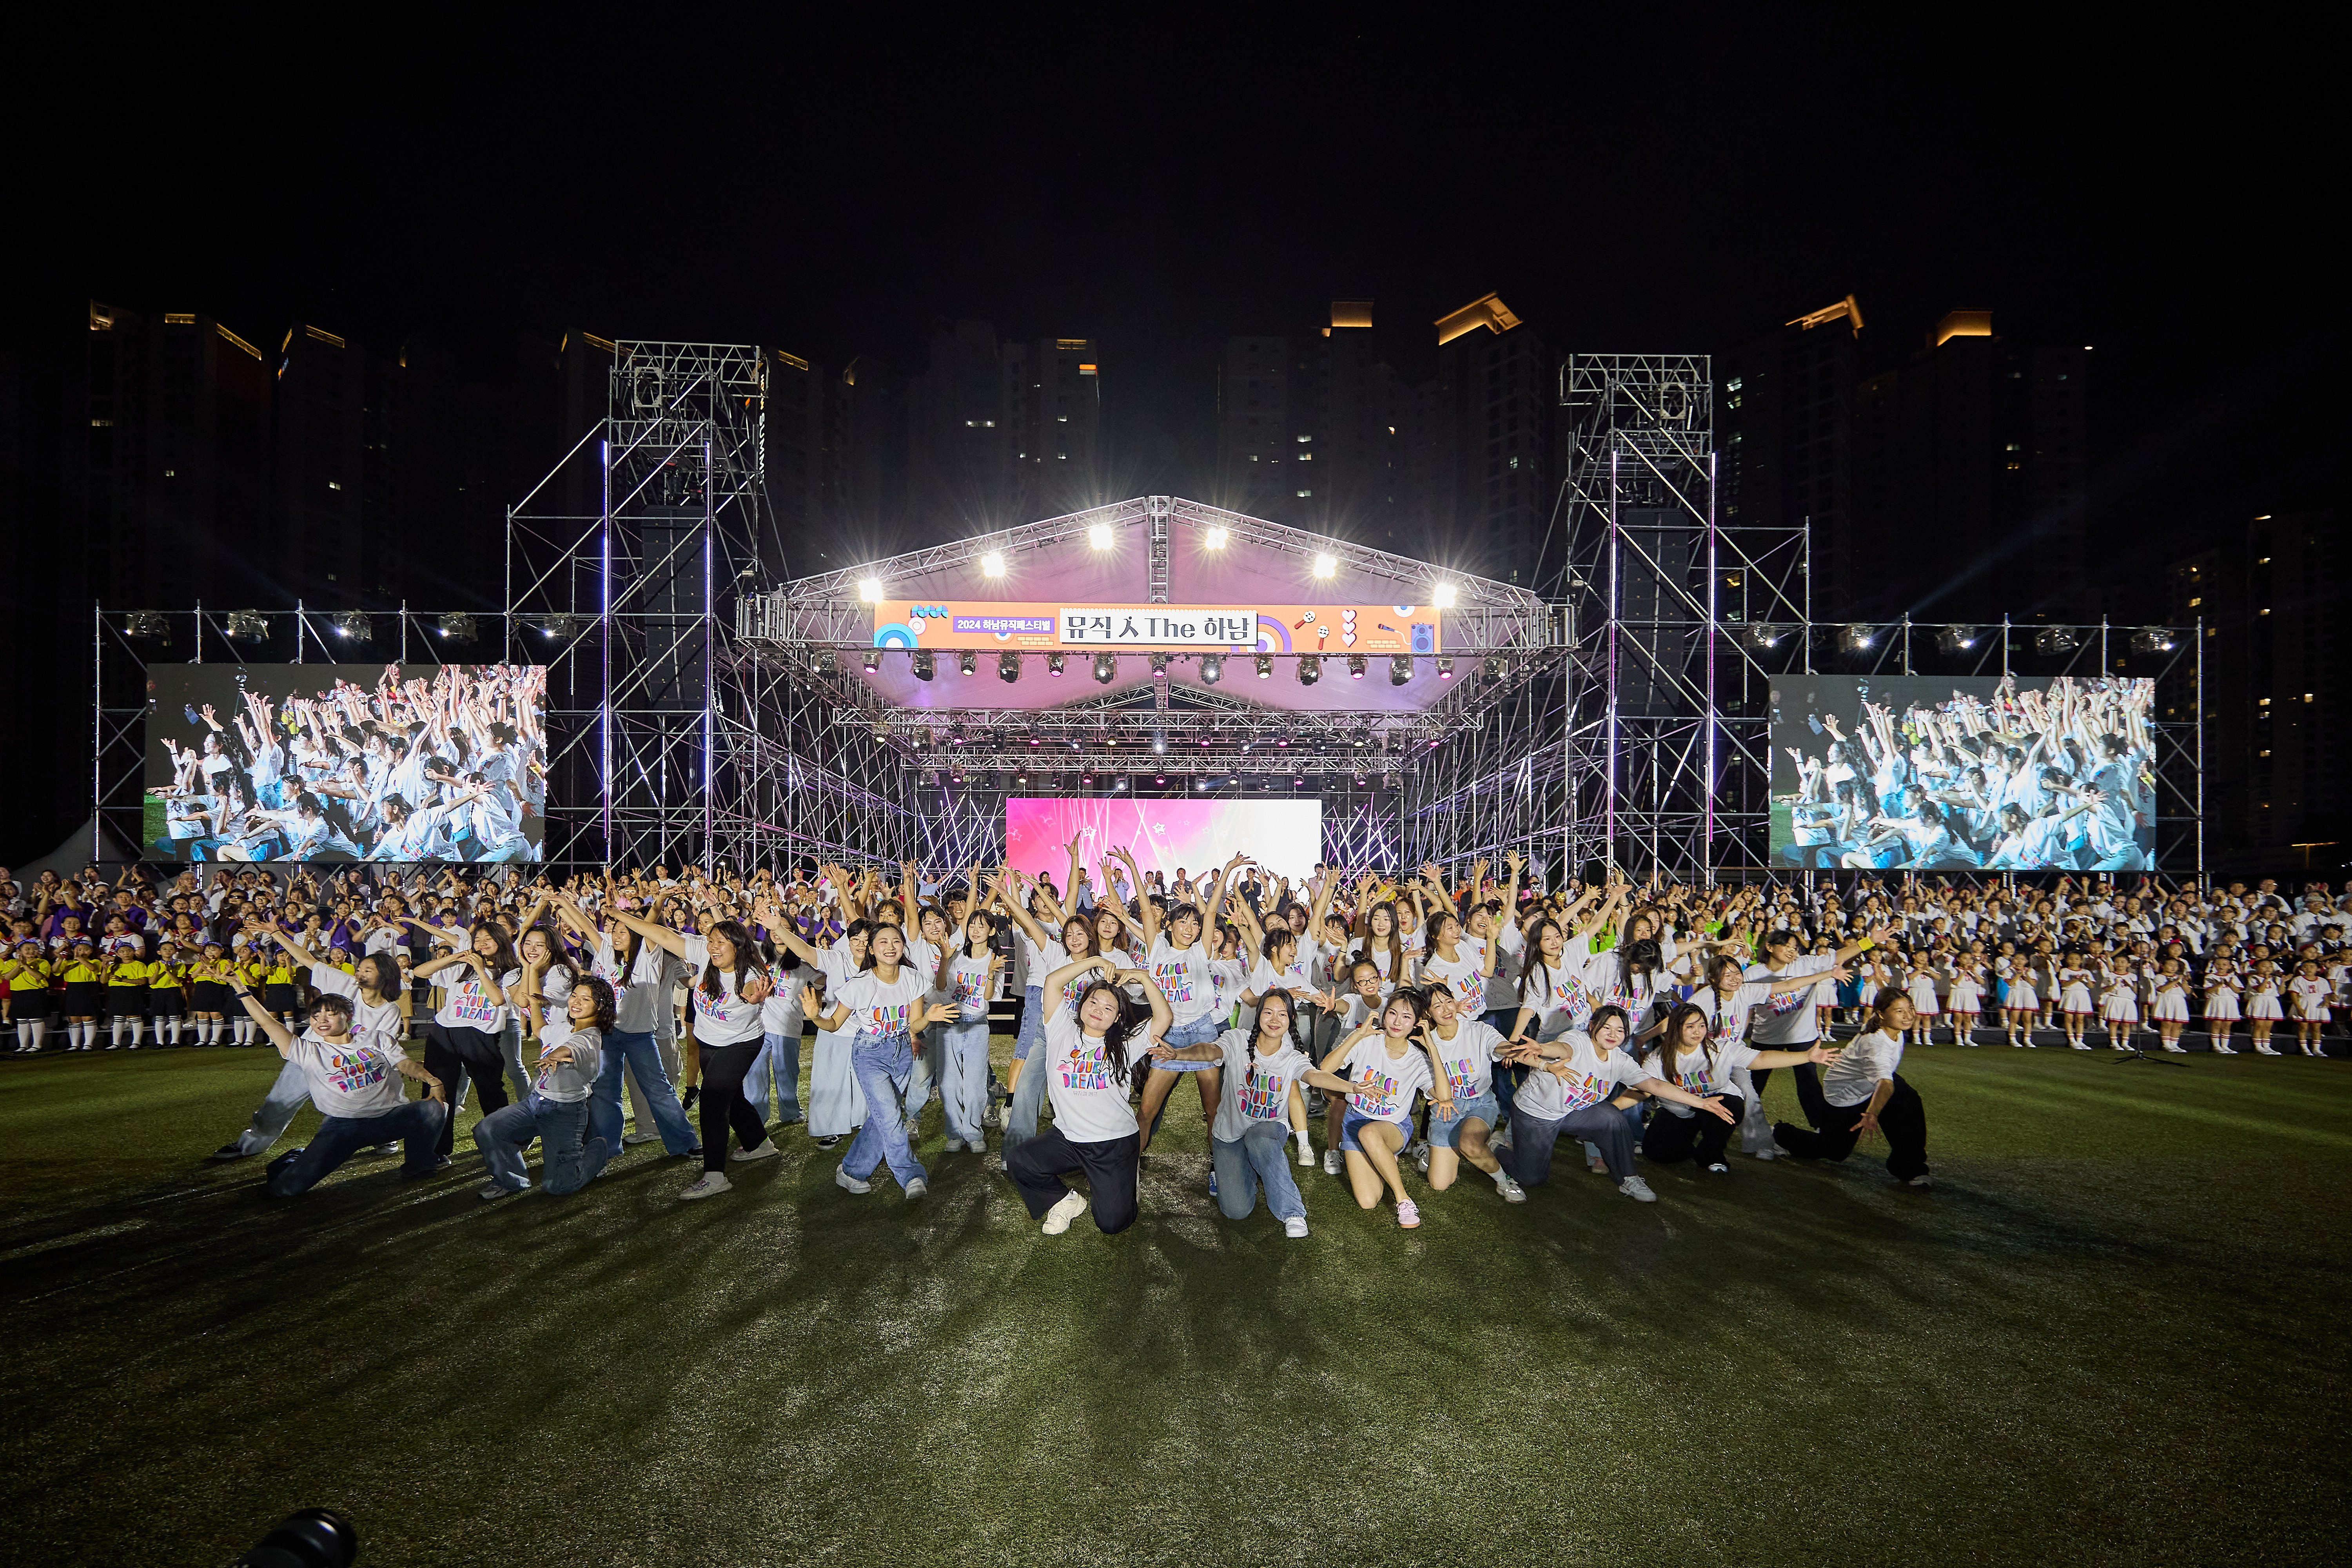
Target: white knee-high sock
139 1032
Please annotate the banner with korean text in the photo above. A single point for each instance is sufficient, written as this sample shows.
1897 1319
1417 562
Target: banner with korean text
1171 629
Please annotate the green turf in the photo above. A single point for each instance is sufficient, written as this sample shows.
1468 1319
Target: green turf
2115 1332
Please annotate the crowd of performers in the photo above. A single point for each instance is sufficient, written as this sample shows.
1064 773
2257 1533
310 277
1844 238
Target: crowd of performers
1428 1023
450 769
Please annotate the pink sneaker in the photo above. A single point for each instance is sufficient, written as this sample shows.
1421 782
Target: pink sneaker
1408 1215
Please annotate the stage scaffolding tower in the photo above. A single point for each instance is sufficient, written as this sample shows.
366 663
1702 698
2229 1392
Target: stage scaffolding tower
1676 618
624 565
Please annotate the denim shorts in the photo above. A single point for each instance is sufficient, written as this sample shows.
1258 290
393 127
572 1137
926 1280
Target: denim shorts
1351 1123
1198 1032
1444 1134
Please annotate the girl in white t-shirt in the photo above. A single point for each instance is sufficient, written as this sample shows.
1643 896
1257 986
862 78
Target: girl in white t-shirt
462 1042
1698 1058
970 982
2170 1005
1261 1107
836 1105
1178 962
884 1006
726 983
554 1113
1381 1066
1085 1062
1572 1092
1862 1093
1465 1047
2119 1003
2311 993
2221 1010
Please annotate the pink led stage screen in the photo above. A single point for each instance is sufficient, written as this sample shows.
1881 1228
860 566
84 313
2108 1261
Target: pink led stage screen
1286 837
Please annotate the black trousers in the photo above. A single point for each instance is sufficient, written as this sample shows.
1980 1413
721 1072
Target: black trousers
722 1104
1672 1139
1807 1074
1903 1120
453 1056
1038 1166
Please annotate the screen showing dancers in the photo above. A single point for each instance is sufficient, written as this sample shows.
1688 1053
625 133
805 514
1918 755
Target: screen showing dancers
346 762
1923 772
1286 837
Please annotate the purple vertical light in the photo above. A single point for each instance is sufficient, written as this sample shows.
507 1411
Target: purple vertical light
1713 580
709 667
604 617
1609 768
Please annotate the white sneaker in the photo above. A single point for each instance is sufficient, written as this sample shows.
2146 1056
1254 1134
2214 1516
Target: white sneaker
1332 1164
1922 1180
1295 1227
849 1183
710 1185
2223 1051
977 1143
917 1188
1058 1218
1770 1151
631 1140
2177 1051
1638 1190
489 1190
1512 1191
1305 1156
1421 1160
2264 1051
952 1146
766 1151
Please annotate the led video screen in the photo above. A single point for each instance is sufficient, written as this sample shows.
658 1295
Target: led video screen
346 762
1286 837
1928 773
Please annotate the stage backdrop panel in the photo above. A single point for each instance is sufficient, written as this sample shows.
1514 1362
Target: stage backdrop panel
1049 626
1286 837
216 794
1948 731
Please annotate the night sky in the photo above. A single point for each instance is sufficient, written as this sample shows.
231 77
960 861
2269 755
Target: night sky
1159 188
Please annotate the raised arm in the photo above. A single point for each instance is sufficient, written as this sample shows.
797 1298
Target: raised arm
661 936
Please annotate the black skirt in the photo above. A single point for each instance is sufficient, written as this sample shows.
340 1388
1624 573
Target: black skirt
210 997
126 1001
279 997
163 1001
84 998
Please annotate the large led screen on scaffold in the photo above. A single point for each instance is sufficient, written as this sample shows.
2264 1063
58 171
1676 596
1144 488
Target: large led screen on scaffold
1928 773
1286 837
1205 628
346 762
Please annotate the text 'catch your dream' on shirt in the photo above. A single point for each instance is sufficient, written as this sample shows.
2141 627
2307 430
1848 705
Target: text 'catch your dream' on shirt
1090 1103
725 1019
1255 1088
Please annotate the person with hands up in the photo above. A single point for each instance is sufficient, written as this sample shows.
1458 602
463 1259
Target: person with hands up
727 984
1260 1109
1861 1094
1571 1093
356 1086
1086 1060
554 1113
1379 1066
882 1007
463 1041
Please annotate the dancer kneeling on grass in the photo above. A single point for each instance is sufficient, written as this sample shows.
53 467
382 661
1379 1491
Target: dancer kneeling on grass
727 984
1381 1066
555 1112
1695 1059
1260 1110
1088 1057
1467 1049
1570 1094
882 1007
1862 1093
373 989
355 1084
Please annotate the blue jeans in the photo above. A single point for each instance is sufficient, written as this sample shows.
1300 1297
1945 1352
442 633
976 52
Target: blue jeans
1029 1094
417 1121
1632 1115
963 1078
278 1107
1532 1138
883 1064
1259 1158
1506 1074
779 1061
511 1048
506 1132
643 1058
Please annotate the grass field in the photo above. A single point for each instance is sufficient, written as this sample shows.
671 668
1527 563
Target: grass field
2115 1332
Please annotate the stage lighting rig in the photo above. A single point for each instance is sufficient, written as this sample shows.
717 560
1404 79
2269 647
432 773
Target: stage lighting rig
1056 663
1310 670
992 564
1444 670
2153 639
353 626
1212 668
873 659
1443 595
1265 667
1355 667
1327 566
1008 667
1955 639
2056 639
1400 668
247 625
923 664
969 662
556 628
1106 669
1857 638
1762 634
824 662
147 626
1492 672
456 628
1158 667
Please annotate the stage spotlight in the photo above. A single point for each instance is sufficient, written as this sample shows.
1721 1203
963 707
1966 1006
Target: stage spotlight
1391 781
969 662
1008 667
1492 672
1212 668
557 629
1099 536
1400 668
1956 640
1856 639
1055 663
1325 566
247 625
456 628
1217 537
1160 745
1105 668
2153 639
1355 667
2056 639
1265 666
992 564
870 590
930 775
1443 595
826 662
147 626
1310 670
1158 667
924 664
873 659
353 626
1762 634
1444 670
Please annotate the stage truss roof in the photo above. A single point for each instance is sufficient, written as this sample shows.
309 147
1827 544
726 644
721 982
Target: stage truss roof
819 630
